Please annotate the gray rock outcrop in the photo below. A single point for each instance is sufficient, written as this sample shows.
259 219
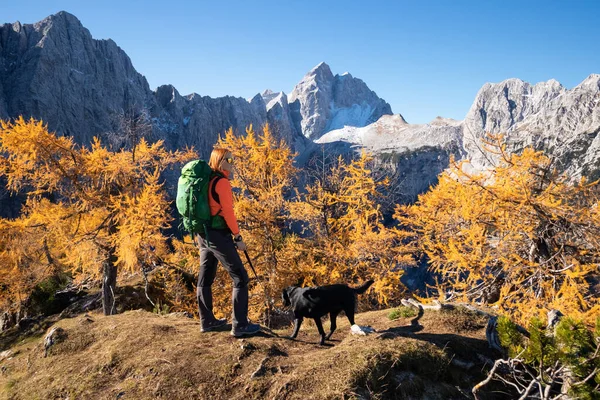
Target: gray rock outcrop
55 71
563 122
322 102
279 116
198 121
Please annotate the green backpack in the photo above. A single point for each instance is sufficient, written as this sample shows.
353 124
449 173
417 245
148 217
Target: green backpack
192 198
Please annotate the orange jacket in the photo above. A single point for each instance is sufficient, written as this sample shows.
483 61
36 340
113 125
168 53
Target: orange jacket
225 205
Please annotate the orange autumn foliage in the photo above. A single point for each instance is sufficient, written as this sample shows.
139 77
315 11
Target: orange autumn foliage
329 231
521 236
88 210
343 240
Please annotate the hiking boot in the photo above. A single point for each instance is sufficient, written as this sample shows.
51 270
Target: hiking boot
246 330
214 325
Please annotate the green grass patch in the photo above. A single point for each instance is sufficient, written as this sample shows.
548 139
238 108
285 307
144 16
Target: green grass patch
402 312
10 384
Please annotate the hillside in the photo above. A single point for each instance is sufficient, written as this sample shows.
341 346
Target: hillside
142 355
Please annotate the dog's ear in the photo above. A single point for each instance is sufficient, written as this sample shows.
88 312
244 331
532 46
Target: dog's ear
311 295
286 298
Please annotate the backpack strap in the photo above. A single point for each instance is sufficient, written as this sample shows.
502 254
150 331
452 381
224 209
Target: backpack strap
213 190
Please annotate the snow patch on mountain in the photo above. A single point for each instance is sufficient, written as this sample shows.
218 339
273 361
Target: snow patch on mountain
269 95
355 115
391 133
279 98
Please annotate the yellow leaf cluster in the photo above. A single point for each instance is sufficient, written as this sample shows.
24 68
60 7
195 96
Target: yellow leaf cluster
329 231
521 236
346 240
84 206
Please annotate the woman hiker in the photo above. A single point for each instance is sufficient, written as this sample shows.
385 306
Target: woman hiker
220 245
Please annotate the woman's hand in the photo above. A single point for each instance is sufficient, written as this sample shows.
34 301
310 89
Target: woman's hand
239 243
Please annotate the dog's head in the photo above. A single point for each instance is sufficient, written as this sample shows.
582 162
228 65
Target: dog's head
285 296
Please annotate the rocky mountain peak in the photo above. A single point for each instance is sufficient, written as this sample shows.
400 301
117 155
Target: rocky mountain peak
322 102
592 82
279 98
60 22
270 97
62 17
547 116
321 70
267 95
320 78
499 106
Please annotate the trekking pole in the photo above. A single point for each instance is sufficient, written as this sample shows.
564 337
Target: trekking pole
267 298
251 266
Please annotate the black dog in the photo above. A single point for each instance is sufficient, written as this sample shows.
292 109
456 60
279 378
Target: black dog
315 302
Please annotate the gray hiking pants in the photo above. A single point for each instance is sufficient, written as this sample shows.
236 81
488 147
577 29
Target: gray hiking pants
221 248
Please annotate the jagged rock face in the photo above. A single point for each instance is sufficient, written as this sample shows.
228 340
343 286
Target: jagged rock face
564 123
280 120
55 71
199 120
269 95
311 101
499 107
322 102
413 155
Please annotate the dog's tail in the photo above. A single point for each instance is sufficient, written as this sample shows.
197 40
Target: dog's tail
363 288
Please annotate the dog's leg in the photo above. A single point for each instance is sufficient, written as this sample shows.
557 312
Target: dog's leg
332 317
350 314
297 323
321 331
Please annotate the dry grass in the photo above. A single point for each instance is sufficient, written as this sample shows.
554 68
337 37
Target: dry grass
141 355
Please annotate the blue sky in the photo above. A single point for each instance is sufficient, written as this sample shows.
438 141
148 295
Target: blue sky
425 58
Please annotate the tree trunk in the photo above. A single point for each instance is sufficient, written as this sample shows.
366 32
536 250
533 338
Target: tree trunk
7 320
109 284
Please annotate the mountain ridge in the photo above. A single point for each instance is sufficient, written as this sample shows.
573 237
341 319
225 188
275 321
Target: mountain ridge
55 71
563 122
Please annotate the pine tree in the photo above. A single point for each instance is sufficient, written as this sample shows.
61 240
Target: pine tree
558 360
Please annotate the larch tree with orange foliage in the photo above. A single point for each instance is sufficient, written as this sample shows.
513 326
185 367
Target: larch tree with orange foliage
522 236
345 239
263 180
91 211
